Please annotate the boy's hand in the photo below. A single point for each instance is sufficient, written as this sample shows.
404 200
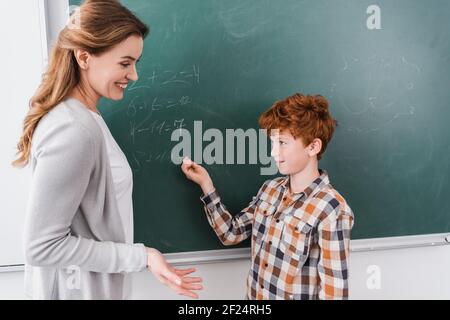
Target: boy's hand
176 279
198 174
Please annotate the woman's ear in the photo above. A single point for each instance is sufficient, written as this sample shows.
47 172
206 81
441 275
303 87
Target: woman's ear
82 58
315 147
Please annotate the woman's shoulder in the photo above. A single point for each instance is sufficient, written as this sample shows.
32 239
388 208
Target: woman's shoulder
70 120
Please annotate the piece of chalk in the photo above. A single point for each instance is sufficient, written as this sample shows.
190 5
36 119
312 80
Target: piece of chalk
186 160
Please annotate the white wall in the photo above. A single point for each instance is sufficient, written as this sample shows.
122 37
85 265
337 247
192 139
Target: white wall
22 56
415 273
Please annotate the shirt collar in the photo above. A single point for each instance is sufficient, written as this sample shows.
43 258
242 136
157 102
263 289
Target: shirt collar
315 186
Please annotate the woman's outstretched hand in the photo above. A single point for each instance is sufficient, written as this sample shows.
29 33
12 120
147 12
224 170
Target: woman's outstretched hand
176 279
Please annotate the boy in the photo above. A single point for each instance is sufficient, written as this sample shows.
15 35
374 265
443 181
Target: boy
300 225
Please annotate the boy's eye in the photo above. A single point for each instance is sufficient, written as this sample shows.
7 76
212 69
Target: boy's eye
282 142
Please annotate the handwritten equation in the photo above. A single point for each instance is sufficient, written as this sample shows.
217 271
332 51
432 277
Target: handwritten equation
150 110
157 104
188 77
140 158
156 127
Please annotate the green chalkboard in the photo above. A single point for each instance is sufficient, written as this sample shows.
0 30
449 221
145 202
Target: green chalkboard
225 61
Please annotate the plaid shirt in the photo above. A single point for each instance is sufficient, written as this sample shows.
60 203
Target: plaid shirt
300 242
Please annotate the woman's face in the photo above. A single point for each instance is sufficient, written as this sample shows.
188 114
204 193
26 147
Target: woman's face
109 73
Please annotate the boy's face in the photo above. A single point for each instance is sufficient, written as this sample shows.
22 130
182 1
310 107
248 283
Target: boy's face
290 154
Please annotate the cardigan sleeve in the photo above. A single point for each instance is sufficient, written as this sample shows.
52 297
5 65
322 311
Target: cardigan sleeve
65 156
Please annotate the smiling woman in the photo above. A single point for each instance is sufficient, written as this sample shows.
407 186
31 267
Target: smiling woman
79 222
108 74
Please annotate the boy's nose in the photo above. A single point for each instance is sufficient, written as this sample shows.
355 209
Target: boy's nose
274 153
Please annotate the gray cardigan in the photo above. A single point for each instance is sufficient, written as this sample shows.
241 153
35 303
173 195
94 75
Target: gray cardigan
74 238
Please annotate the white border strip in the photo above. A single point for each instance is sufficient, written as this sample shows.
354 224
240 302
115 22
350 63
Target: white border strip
391 243
12 268
182 258
42 5
209 256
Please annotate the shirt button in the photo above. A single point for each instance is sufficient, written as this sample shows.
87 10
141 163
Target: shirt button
278 220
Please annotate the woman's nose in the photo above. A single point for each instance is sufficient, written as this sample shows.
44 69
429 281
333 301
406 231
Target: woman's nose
133 75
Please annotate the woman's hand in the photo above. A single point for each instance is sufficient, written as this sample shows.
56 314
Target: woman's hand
176 279
198 174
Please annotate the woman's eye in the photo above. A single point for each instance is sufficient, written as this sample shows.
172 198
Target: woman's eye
282 142
124 65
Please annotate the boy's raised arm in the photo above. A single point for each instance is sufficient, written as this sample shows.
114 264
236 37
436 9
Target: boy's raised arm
230 229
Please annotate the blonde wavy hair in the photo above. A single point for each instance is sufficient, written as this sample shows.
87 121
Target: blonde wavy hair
96 26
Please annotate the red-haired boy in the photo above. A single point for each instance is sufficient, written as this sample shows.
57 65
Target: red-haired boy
299 224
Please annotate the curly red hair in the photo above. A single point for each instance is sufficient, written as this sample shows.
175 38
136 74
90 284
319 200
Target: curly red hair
305 116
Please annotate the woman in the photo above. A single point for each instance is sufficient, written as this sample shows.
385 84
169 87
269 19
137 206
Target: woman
79 230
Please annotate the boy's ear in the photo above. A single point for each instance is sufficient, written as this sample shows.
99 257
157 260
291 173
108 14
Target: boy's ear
314 147
82 58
